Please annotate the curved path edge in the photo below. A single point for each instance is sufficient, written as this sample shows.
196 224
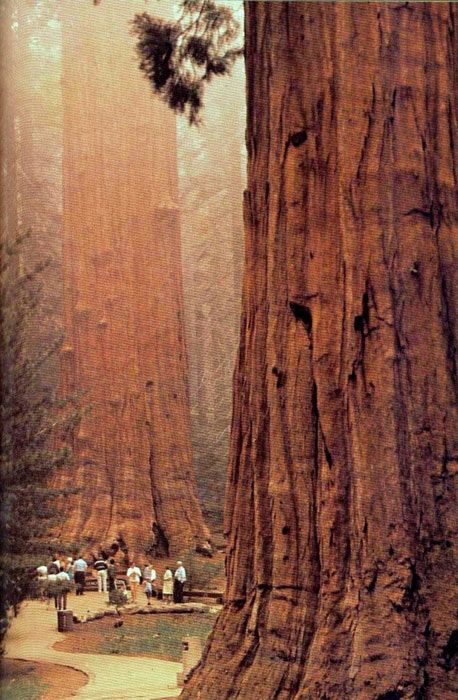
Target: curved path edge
33 633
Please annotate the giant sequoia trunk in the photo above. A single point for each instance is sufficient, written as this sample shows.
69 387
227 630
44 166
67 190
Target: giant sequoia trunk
344 446
124 344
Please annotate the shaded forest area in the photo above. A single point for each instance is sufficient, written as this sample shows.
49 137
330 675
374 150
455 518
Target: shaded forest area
212 179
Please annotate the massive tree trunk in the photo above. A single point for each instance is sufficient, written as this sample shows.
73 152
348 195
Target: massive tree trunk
124 344
344 455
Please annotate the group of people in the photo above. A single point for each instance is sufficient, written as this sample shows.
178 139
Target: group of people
172 583
55 580
76 570
62 573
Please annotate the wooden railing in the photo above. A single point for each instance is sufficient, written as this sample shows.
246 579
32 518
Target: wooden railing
218 596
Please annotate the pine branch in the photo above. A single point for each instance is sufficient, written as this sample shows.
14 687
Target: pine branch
179 58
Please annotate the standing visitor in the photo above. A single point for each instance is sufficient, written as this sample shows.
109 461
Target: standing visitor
153 580
134 575
148 589
52 587
63 581
42 576
111 575
53 568
178 583
167 585
149 574
80 568
70 569
101 568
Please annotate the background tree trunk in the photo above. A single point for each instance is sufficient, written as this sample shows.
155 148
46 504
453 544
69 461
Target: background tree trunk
123 294
31 157
344 451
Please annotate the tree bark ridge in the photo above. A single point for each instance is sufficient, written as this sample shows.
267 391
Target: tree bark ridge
342 476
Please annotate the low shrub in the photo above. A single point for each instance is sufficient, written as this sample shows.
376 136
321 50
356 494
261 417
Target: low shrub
117 598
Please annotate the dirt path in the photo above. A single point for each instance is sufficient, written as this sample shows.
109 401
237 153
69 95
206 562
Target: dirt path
34 632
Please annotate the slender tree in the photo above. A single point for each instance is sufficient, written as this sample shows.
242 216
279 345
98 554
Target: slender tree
35 426
34 418
340 511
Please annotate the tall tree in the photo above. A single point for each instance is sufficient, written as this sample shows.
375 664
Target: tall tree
123 303
344 453
181 57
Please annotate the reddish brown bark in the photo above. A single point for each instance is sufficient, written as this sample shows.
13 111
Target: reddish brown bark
341 492
123 304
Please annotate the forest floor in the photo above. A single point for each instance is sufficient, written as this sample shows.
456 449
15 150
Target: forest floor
157 636
33 635
98 661
29 680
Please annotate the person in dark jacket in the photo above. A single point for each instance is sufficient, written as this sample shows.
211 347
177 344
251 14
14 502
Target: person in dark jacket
111 575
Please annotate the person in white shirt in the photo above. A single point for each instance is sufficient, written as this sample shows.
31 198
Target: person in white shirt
80 568
167 586
134 575
153 580
70 568
101 568
63 581
150 575
52 589
178 583
42 576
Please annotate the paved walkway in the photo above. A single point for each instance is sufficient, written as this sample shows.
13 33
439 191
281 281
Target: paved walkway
34 631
